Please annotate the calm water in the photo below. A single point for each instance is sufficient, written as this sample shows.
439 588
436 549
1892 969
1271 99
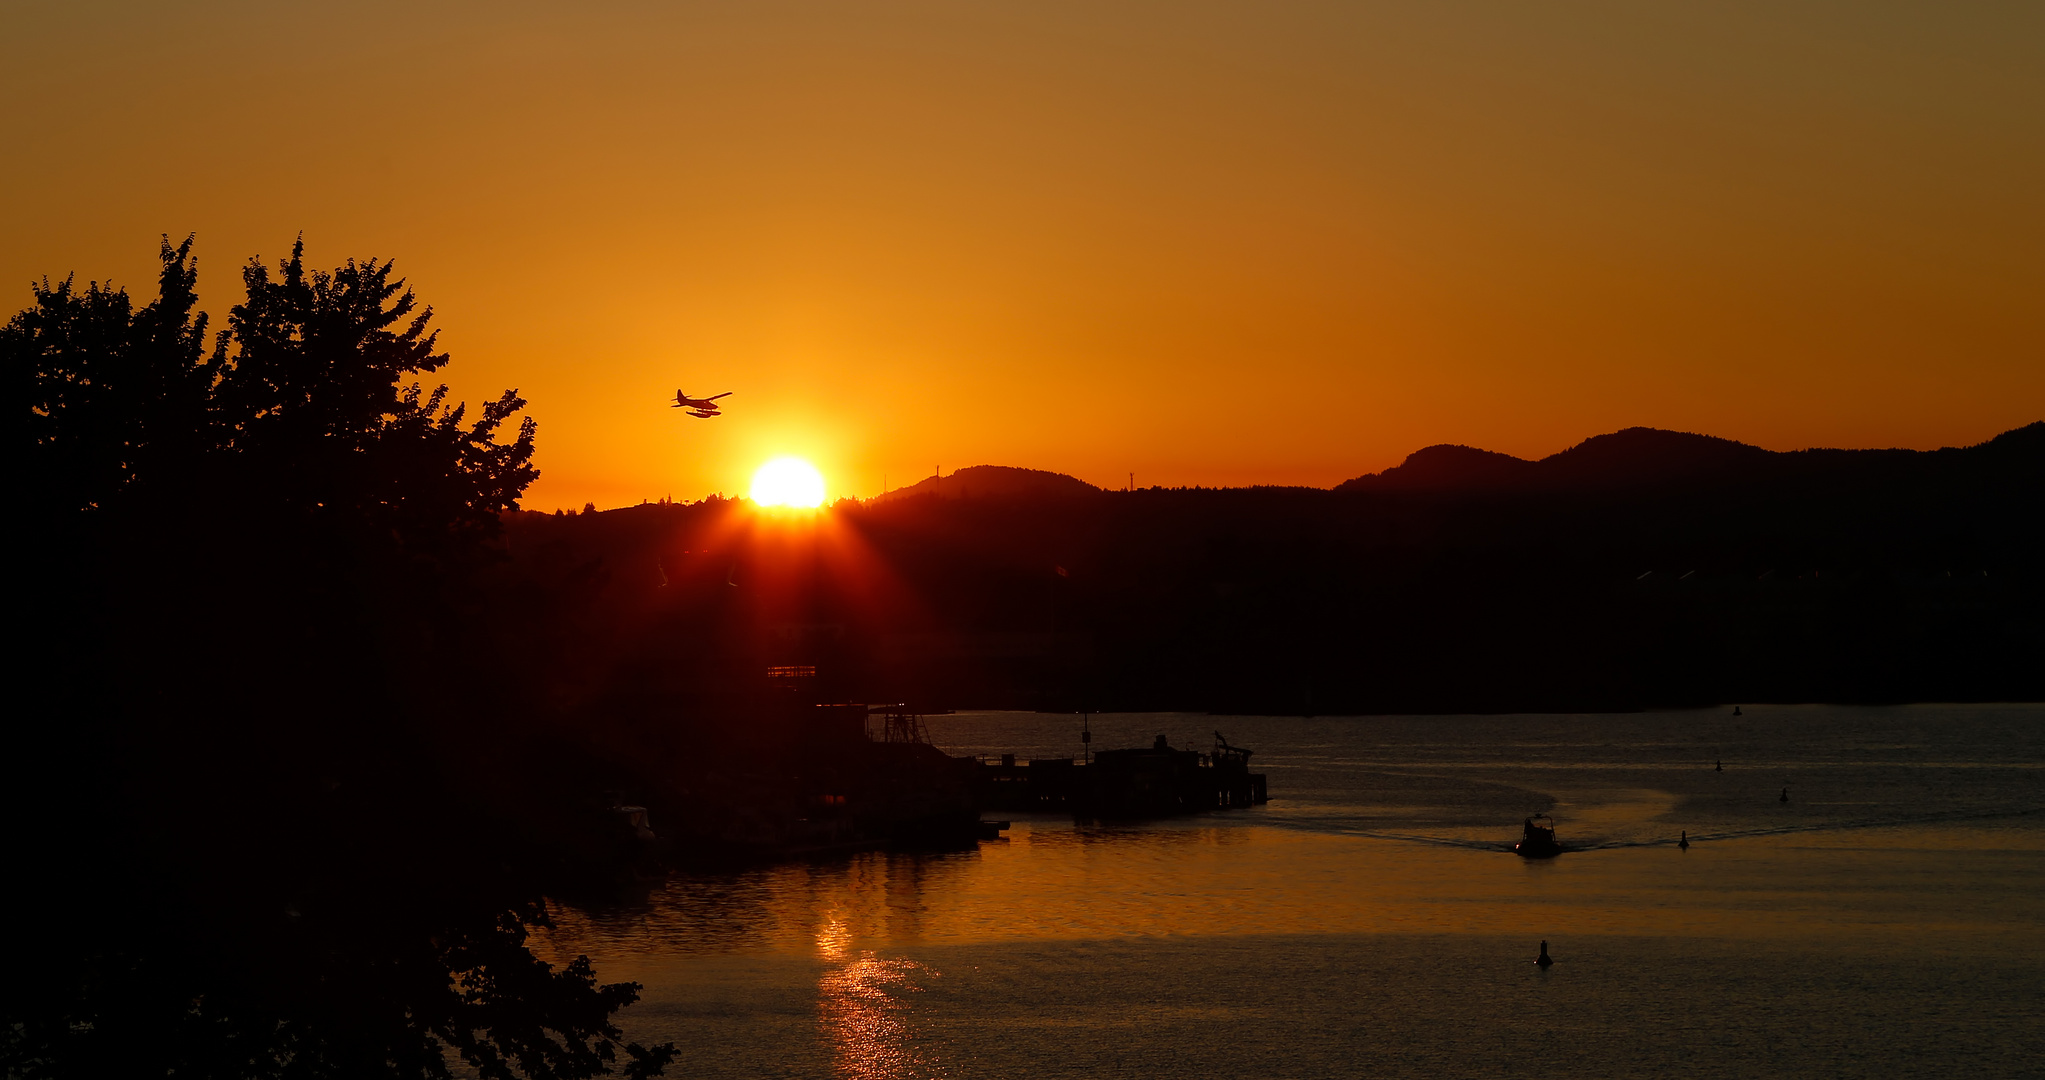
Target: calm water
1888 920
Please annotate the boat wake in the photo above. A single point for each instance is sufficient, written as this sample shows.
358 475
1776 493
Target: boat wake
1892 821
1339 827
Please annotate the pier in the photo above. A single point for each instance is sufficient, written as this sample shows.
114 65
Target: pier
1154 781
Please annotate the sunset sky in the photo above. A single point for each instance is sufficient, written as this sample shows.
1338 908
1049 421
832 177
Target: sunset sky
1209 243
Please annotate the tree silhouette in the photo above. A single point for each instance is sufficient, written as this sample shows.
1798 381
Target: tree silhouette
116 395
258 665
303 402
315 403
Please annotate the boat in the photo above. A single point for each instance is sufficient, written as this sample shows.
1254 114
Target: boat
1537 841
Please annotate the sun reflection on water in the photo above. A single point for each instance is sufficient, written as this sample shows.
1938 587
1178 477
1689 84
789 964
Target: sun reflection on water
860 1008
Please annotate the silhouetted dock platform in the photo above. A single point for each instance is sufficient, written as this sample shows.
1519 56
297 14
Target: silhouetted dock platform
1155 781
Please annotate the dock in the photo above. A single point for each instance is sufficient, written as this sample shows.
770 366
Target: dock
1154 781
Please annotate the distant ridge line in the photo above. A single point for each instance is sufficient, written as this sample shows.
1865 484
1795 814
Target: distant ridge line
1644 457
1629 459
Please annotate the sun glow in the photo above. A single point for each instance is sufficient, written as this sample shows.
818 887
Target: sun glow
788 481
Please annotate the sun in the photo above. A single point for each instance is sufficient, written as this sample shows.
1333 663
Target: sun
788 481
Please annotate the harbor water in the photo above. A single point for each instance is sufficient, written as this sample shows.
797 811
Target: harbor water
1864 895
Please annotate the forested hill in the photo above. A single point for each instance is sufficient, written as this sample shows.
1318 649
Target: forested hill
995 481
1638 569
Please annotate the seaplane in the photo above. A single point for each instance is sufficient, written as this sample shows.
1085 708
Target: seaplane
700 408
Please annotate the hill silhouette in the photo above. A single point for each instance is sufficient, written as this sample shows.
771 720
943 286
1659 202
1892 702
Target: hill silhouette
1644 457
1447 468
1633 457
1640 568
989 481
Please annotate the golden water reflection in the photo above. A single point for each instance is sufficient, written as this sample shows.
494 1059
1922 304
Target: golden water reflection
861 1009
1052 881
861 993
842 967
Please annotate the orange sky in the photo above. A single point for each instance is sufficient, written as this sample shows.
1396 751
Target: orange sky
1210 243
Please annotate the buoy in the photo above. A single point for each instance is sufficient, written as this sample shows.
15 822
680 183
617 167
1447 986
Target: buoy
1736 711
1684 843
1543 961
1718 766
1784 797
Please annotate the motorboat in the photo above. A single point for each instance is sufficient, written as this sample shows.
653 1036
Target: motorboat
1537 840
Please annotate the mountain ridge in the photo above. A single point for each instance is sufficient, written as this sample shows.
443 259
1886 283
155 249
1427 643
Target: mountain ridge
1634 458
1643 457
